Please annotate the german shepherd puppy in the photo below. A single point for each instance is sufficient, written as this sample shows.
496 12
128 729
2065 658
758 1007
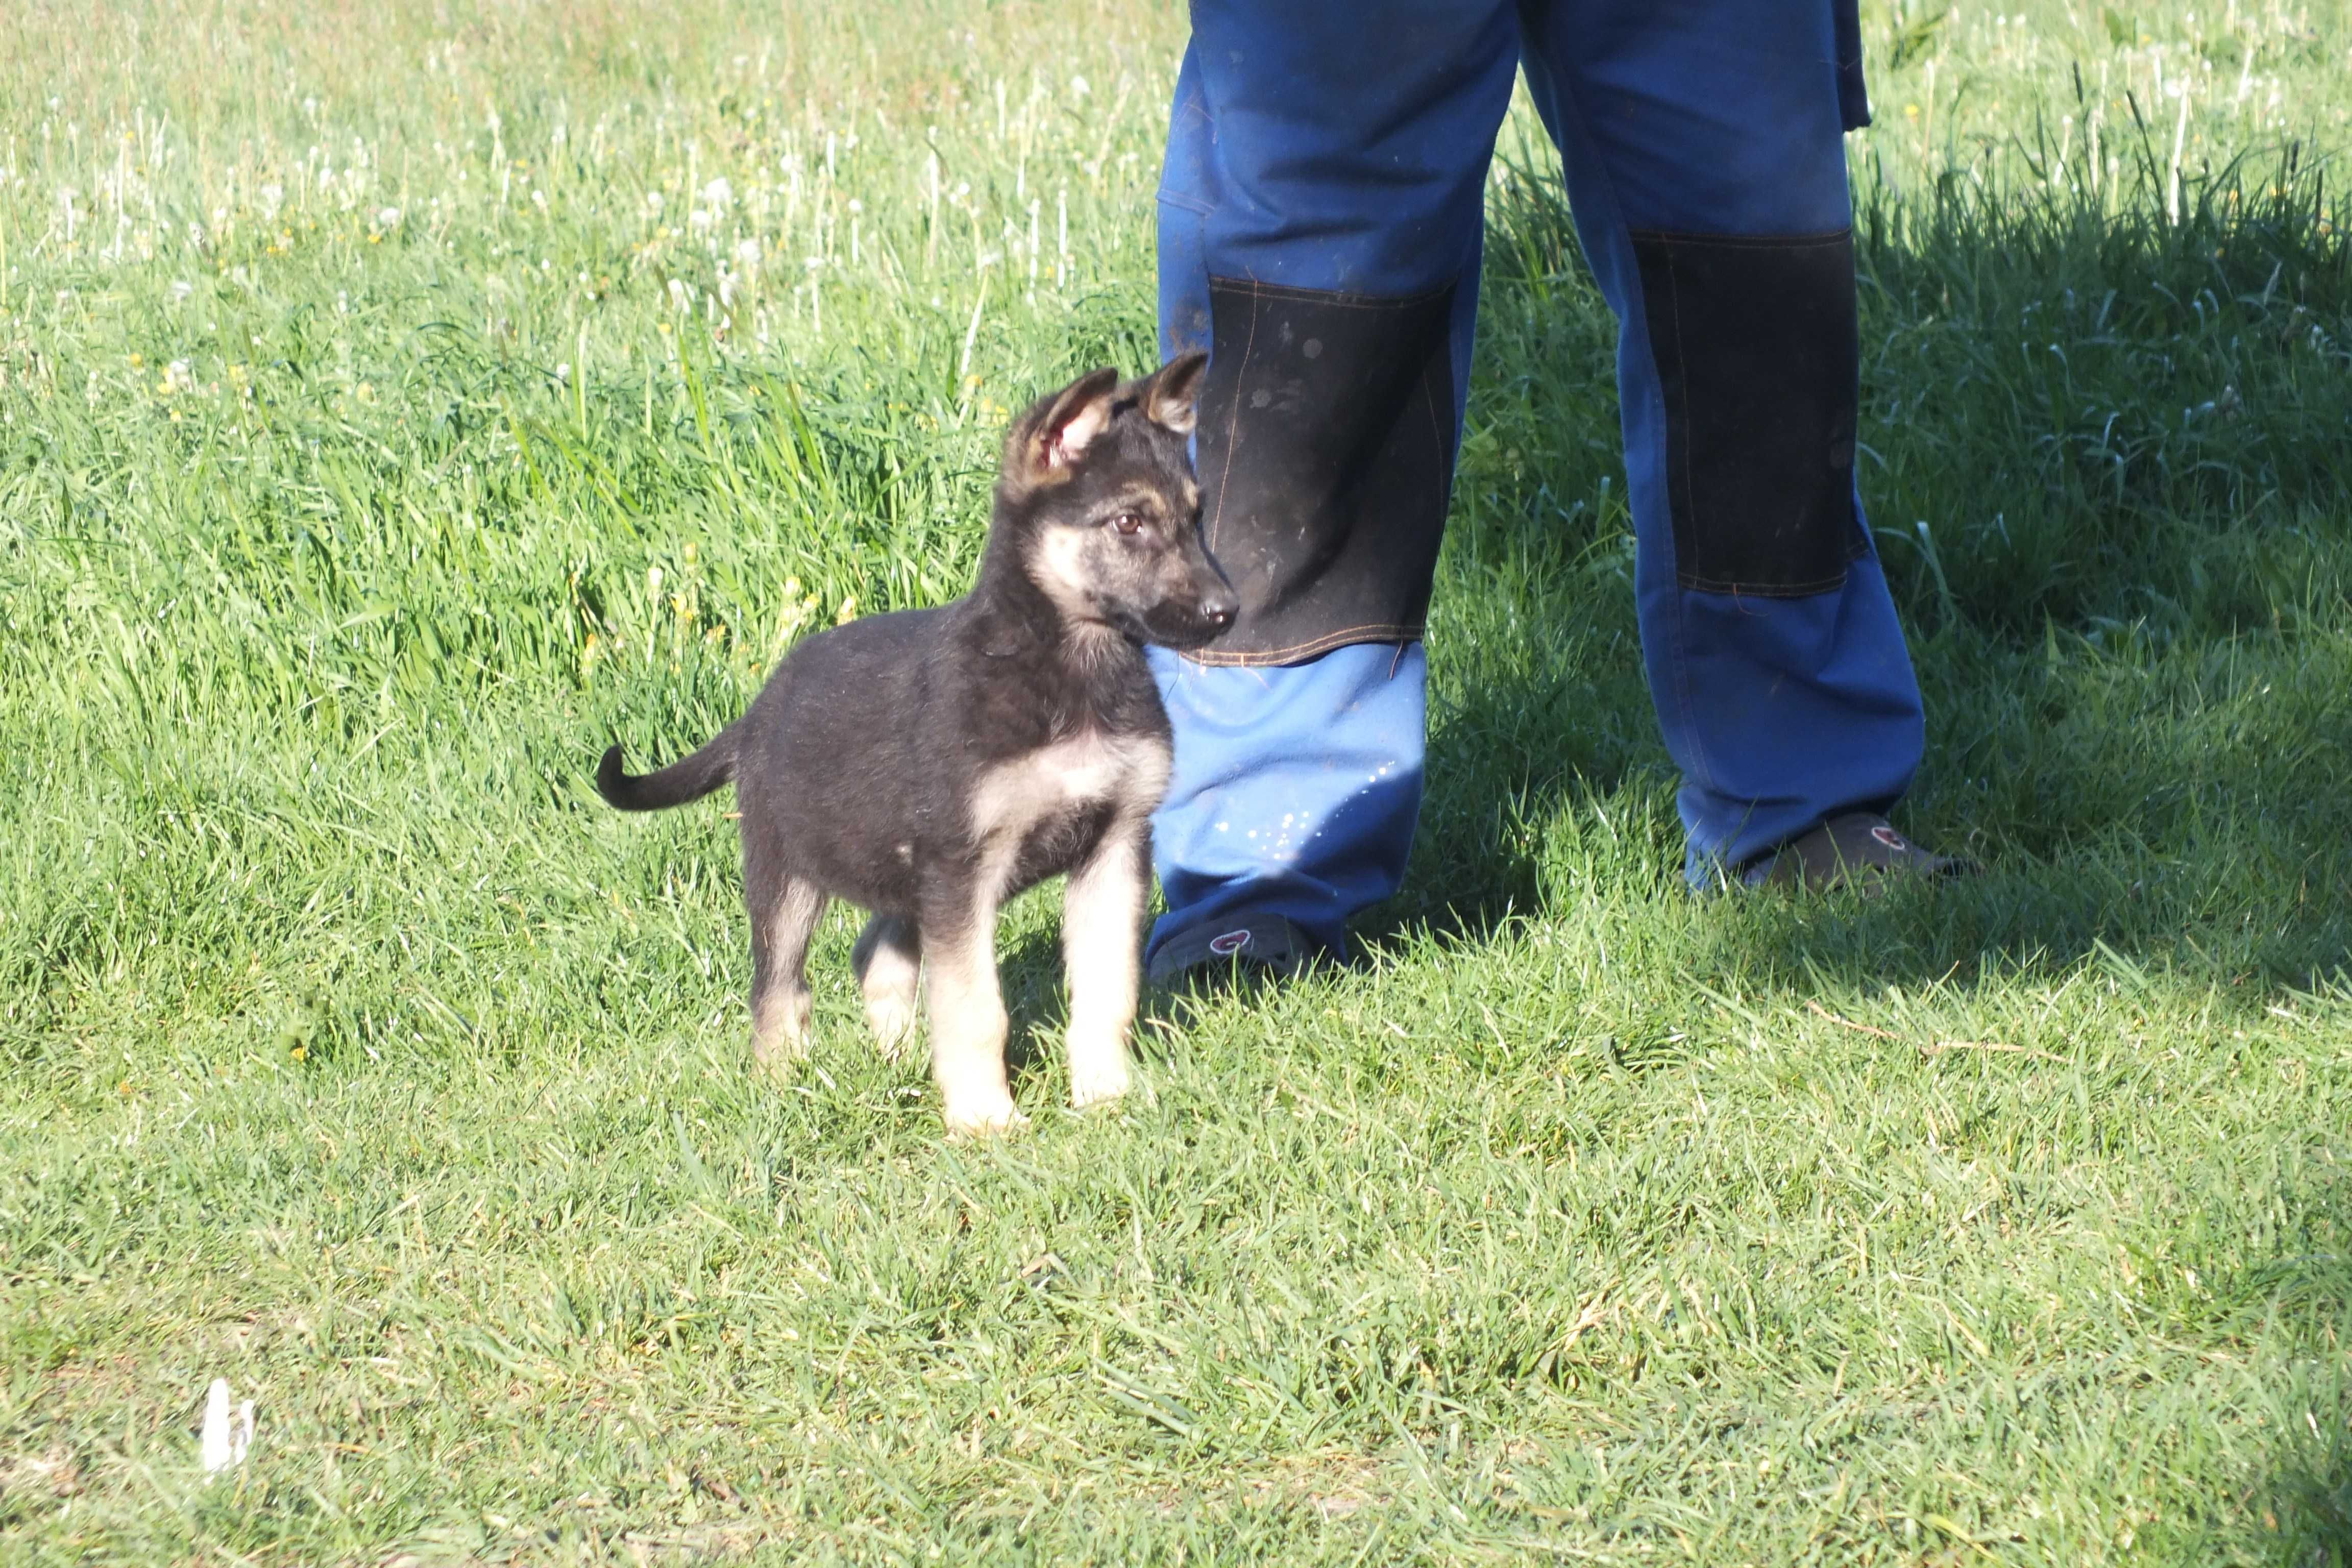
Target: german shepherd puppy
929 764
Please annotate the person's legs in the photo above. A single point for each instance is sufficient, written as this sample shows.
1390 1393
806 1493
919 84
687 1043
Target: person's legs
1320 217
1295 791
1707 166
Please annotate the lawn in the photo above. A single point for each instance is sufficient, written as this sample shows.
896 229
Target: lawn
399 402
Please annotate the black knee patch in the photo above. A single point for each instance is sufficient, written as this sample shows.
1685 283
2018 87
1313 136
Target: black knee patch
1326 453
1755 343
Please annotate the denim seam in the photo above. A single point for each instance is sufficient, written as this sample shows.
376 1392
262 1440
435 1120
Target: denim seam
1374 632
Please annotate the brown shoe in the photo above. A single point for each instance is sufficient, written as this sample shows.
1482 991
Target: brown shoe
1860 849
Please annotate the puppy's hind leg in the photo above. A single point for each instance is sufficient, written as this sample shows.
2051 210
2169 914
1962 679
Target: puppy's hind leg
888 961
1102 914
784 912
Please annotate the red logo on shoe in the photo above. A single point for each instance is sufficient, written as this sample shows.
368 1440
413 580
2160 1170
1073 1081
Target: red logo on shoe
1232 942
1889 838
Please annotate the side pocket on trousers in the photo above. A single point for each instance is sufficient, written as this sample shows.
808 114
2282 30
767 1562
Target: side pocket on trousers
1757 356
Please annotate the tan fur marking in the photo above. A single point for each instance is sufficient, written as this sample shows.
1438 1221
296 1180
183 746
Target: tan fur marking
888 963
968 1028
1102 919
1059 557
1017 796
780 1013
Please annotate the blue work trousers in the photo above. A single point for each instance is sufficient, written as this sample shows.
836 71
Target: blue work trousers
1321 218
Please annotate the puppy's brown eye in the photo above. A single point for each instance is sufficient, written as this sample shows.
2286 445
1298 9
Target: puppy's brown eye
1127 522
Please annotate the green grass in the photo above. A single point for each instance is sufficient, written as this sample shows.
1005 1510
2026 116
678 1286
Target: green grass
354 1054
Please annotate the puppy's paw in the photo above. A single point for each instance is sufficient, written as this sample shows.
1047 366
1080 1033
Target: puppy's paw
779 1029
777 1053
1099 1083
892 1019
978 1117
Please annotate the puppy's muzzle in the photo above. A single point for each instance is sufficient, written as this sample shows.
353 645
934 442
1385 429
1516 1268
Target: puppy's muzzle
1182 625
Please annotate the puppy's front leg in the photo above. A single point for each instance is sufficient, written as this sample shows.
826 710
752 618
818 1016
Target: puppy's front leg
1102 911
968 1022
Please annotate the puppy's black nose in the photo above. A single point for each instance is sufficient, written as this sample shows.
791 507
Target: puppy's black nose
1219 612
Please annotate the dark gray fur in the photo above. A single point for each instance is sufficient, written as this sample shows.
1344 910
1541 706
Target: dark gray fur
860 766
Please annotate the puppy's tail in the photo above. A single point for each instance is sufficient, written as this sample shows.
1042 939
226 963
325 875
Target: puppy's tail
689 778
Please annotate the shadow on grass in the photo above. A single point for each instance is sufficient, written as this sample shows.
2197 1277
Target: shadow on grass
2301 1515
2122 550
2190 828
2313 1505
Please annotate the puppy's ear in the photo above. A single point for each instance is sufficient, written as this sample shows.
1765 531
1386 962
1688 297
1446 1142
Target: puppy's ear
1051 436
1172 395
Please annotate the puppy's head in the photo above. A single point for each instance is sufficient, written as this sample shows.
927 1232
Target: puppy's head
1098 495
